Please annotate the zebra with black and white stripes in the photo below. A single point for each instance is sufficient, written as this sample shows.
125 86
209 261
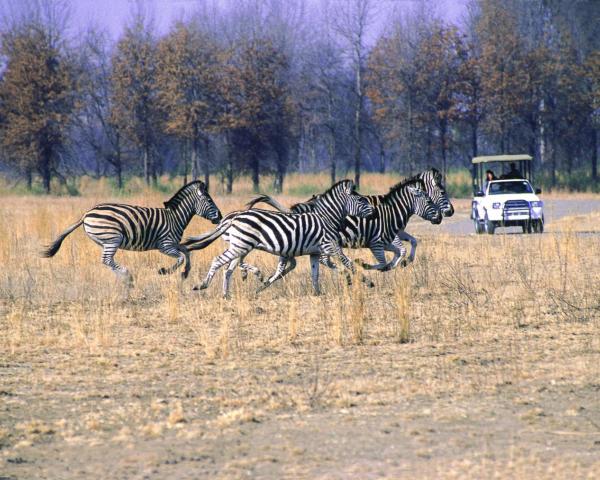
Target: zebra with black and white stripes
130 227
384 232
434 186
379 231
287 235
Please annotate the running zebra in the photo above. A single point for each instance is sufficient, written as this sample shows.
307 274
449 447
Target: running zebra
288 235
129 227
375 233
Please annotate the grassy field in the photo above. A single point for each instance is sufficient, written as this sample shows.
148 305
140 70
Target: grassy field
480 360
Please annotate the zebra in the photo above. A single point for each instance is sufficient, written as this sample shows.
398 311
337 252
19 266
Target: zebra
360 233
130 227
379 231
287 235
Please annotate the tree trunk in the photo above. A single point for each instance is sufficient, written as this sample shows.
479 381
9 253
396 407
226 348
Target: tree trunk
595 155
474 144
553 162
357 146
206 163
45 170
230 176
332 159
255 164
357 123
229 187
119 171
443 134
46 177
185 154
146 171
194 160
29 176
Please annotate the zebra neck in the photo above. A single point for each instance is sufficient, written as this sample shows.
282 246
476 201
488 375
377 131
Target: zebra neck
182 215
333 216
402 206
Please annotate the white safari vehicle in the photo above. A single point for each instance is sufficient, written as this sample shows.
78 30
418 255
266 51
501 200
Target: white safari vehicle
503 195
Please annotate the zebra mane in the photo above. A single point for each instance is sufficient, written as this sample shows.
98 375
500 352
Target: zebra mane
415 180
437 175
316 197
174 201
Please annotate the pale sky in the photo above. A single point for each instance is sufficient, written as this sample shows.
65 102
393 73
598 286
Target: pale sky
112 15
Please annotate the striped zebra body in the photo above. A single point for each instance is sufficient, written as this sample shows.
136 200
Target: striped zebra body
116 226
287 235
385 231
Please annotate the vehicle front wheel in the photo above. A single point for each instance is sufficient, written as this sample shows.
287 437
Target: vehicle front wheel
478 226
528 226
490 228
538 226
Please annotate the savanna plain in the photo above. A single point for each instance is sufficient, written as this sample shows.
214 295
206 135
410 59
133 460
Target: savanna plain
479 360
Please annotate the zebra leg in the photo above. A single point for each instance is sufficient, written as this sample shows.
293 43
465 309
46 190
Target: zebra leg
378 252
399 251
182 255
247 267
326 260
279 273
108 258
226 257
314 273
350 266
227 276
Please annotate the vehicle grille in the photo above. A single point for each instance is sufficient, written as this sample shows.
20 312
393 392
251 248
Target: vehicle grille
516 209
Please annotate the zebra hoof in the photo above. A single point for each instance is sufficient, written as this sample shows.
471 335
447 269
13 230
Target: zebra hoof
404 263
262 287
202 286
244 275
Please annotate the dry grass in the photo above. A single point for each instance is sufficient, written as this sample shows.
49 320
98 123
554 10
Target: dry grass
480 360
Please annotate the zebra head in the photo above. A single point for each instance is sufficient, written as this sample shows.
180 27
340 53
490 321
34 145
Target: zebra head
356 205
423 205
204 205
434 186
192 199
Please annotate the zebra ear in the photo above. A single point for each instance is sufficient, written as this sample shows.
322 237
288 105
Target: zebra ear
201 187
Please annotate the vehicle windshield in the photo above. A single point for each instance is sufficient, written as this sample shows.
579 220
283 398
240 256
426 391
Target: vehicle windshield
503 188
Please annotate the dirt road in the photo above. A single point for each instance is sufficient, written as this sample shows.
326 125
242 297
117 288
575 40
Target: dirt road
554 210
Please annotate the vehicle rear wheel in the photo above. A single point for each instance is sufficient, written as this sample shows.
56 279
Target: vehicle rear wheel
490 228
478 226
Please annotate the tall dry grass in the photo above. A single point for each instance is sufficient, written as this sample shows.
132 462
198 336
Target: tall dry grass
457 287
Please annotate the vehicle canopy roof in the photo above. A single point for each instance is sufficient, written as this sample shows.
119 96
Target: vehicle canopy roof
502 158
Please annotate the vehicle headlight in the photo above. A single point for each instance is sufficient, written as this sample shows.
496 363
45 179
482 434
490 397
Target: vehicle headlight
537 203
496 205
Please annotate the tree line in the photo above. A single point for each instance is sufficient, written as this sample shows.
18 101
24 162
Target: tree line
271 86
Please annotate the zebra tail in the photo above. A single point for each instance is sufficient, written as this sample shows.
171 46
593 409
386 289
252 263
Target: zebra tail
51 249
269 201
204 240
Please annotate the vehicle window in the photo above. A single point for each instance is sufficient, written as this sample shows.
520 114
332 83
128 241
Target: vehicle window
503 188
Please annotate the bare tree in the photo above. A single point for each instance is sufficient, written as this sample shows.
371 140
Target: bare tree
351 20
